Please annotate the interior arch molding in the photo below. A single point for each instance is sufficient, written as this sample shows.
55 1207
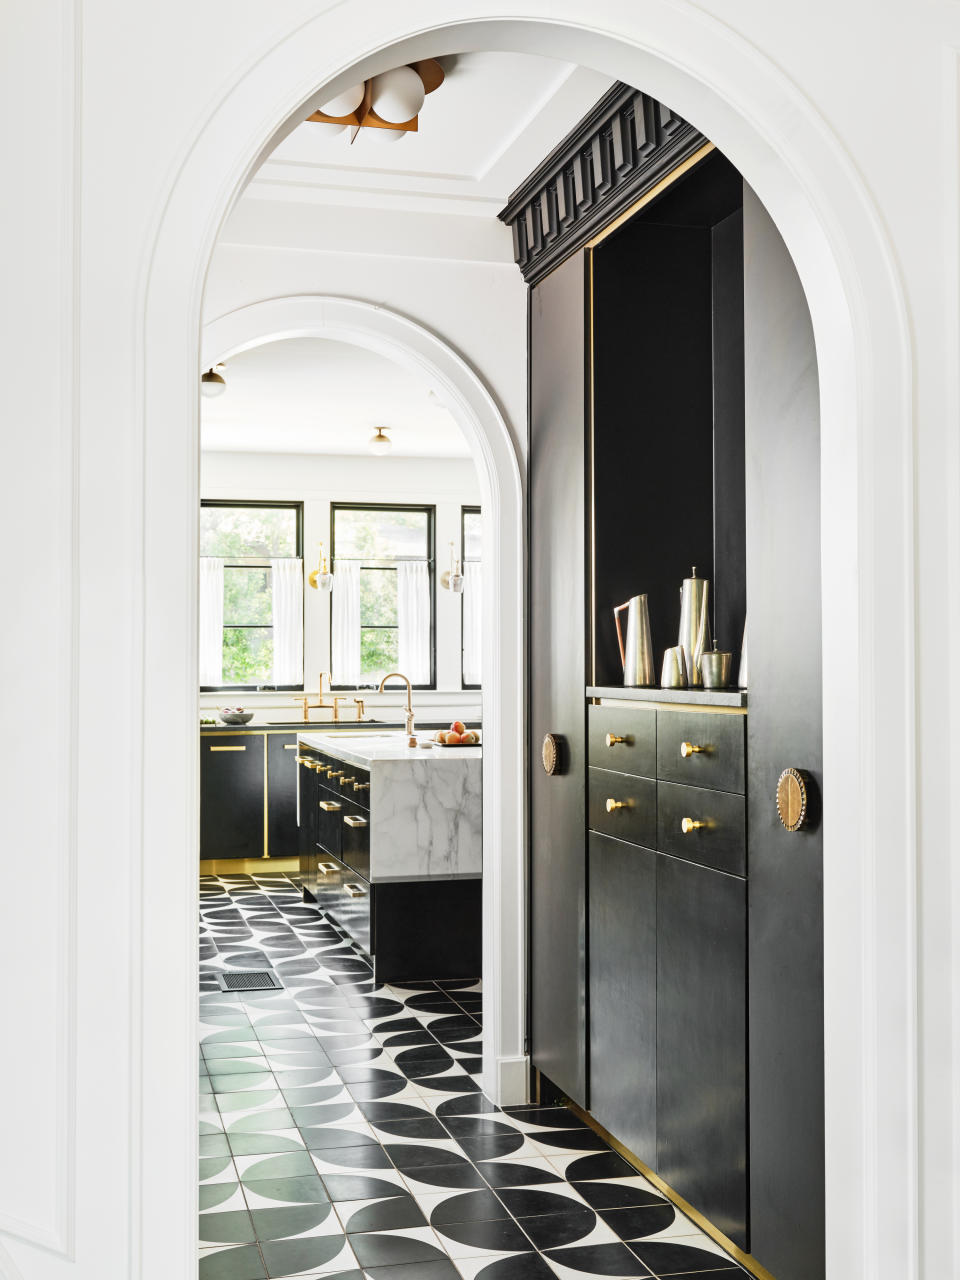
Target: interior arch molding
719 81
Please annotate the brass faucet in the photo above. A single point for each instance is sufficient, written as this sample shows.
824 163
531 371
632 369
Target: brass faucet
361 710
400 676
307 704
336 707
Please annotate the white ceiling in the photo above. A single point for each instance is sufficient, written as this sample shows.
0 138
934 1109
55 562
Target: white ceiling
490 123
312 395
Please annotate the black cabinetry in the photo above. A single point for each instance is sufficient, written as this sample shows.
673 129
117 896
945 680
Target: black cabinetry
232 791
557 670
282 835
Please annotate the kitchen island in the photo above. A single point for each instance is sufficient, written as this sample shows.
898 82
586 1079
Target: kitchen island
391 848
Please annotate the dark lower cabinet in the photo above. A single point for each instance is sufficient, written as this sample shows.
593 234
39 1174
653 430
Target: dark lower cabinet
701 946
623 992
232 795
307 820
282 833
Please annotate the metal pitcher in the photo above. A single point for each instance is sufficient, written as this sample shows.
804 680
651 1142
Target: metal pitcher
636 653
694 625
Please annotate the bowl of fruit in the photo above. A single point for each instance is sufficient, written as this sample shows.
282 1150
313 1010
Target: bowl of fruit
235 715
458 735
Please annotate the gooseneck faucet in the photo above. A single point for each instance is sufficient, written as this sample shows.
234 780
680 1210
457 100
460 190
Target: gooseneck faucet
400 676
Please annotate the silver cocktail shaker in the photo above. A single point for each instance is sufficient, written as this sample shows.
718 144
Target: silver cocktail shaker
694 634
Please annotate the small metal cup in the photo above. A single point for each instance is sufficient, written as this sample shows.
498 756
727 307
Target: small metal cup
673 675
715 667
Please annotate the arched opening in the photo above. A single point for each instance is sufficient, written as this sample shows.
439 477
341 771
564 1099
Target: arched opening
812 193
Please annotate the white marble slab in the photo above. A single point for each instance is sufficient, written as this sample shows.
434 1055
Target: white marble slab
425 804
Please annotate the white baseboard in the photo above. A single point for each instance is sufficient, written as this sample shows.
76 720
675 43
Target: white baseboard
511 1083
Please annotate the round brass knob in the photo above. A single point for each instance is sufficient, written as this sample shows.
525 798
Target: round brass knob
793 799
551 753
691 824
690 749
612 739
614 805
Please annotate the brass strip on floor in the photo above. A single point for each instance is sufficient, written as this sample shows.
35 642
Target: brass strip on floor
745 1260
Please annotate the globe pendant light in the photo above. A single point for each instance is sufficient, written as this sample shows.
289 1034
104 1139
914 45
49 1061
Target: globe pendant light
346 102
213 383
379 442
397 95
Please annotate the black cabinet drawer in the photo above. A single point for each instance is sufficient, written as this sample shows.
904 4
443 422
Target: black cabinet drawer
232 795
623 806
330 811
707 827
355 839
346 898
624 739
701 749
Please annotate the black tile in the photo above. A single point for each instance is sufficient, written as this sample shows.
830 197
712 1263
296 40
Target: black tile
414 1155
606 1164
377 1112
427 1129
380 1249
491 1146
600 1260
288 1257
444 1270
553 1230
442 1176
348 1186
514 1173
369 1157
232 1264
637 1222
572 1140
290 1220
307 1189
669 1258
522 1266
472 1206
496 1235
616 1195
317 1139
386 1215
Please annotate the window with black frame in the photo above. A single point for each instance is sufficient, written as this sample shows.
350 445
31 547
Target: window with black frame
251 595
471 547
383 604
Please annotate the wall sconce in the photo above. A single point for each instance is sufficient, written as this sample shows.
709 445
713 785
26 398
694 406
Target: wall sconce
452 580
389 101
321 577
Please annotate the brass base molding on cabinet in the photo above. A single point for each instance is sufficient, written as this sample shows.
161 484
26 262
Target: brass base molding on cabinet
745 1260
248 866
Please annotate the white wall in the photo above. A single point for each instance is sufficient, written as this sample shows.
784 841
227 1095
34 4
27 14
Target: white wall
448 484
122 144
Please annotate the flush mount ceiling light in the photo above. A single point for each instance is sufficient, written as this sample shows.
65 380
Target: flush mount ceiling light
390 101
379 442
213 383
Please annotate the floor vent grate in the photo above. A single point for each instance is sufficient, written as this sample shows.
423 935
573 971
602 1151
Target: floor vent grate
250 980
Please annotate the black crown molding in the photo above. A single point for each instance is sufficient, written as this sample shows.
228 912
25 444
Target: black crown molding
619 150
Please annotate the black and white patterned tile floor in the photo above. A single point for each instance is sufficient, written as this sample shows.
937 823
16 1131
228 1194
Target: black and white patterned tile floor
343 1133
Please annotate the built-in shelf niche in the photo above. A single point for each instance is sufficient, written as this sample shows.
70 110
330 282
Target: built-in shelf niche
665 309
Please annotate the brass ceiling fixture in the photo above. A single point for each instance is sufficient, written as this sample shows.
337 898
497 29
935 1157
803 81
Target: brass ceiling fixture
391 100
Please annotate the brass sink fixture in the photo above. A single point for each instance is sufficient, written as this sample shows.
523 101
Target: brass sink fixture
400 676
308 705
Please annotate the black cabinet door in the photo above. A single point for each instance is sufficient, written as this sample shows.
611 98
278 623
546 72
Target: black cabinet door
623 992
307 821
702 1040
557 677
784 728
231 795
282 836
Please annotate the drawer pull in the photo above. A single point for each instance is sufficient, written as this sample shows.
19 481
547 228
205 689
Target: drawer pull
361 786
331 773
330 806
228 748
689 825
289 746
613 738
345 781
355 891
326 868
352 821
614 805
691 749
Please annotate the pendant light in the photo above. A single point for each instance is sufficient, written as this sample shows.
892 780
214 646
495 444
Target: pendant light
213 383
397 95
379 442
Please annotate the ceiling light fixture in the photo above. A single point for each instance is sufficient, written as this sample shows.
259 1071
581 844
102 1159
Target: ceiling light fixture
379 442
391 100
213 383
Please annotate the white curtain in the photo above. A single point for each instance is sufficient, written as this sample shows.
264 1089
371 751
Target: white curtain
472 606
287 590
413 620
346 623
211 620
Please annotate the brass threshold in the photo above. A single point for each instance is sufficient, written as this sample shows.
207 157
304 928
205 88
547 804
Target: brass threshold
745 1260
248 866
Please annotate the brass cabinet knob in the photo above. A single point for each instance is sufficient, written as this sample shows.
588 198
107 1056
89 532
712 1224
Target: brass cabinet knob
690 749
613 738
345 781
614 805
689 825
361 786
332 774
793 798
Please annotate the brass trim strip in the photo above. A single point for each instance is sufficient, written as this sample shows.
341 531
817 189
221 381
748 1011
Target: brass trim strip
247 866
243 748
686 707
746 1260
652 194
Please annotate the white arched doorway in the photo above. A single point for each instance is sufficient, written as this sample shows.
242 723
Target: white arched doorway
470 403
758 118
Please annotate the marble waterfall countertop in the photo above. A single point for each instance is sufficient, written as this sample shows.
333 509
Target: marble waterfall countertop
425 804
